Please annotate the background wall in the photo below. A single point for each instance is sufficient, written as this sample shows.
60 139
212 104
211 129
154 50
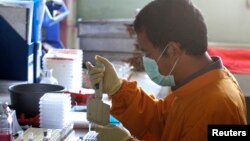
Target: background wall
227 20
102 9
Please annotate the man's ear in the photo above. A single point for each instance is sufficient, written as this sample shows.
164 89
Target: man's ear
174 50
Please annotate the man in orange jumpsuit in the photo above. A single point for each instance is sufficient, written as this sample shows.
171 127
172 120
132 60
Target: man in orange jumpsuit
173 36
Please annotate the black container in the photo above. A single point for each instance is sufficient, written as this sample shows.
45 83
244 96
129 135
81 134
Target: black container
25 97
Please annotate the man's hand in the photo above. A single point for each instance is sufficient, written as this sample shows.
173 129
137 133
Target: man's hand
111 82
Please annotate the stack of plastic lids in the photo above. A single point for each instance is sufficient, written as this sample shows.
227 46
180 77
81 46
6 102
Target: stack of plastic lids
55 109
66 65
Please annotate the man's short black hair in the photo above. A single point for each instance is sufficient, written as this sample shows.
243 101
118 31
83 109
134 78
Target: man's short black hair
173 20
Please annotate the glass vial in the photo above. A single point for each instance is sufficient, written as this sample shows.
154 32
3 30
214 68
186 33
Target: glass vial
5 123
48 78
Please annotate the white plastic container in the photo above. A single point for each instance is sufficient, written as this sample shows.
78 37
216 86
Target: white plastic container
55 110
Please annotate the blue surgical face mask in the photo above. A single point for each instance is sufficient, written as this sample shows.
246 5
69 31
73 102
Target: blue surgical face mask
151 68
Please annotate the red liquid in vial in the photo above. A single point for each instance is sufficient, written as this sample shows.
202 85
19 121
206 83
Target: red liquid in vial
5 136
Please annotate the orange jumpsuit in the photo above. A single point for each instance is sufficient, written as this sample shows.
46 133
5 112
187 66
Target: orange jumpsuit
212 98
